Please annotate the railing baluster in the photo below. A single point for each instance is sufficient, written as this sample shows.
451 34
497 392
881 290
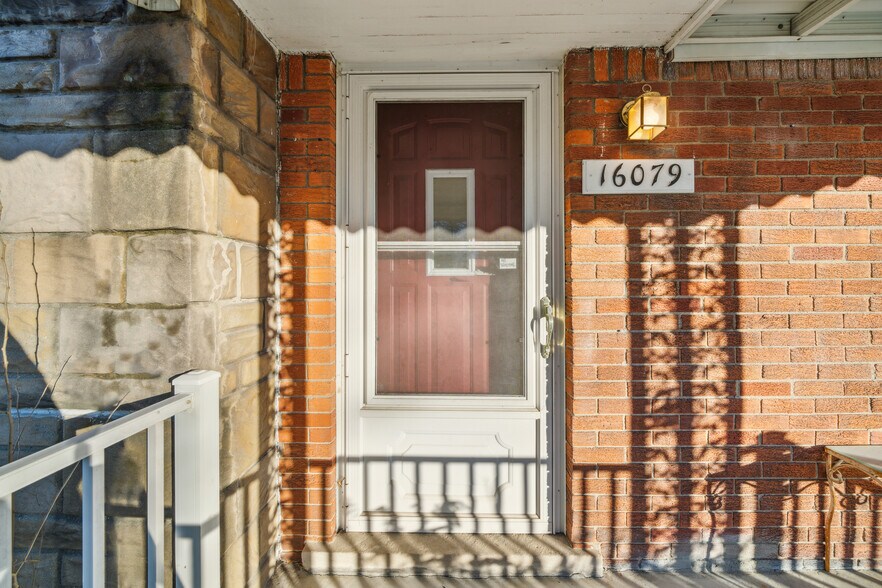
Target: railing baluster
93 519
156 506
6 538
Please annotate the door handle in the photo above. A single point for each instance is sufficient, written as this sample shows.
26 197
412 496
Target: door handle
546 312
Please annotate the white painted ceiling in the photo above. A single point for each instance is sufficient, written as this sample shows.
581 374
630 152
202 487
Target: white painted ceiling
463 32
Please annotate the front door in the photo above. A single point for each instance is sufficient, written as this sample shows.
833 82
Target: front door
449 430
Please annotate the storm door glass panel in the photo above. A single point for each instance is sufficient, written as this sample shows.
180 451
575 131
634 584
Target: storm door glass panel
450 316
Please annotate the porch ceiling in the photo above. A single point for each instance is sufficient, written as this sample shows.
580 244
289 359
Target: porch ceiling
467 32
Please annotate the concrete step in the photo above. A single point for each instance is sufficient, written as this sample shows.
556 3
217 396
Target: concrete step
458 556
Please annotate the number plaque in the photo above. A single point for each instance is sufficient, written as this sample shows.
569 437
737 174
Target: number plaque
638 176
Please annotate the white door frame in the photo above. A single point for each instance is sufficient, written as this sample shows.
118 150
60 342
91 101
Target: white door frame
358 92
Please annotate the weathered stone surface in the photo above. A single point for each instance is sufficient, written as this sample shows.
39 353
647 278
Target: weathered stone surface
248 201
242 314
38 497
77 391
54 11
208 119
138 341
173 268
238 345
45 182
255 369
152 188
25 43
250 511
96 109
259 152
246 432
60 532
38 572
268 118
32 428
33 344
238 94
260 58
206 57
26 75
257 273
225 23
126 56
68 268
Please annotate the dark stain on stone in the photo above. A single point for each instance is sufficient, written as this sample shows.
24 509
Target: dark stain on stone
174 328
108 330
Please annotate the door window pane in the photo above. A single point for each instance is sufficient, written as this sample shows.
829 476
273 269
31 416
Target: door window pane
450 244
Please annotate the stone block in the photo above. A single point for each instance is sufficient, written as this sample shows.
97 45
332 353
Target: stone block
169 181
56 11
45 182
60 532
37 498
32 428
248 201
125 56
268 118
38 572
26 75
238 345
259 152
105 392
247 432
169 107
238 94
260 58
52 268
245 314
206 57
33 344
143 342
170 268
16 43
254 369
208 119
257 272
225 22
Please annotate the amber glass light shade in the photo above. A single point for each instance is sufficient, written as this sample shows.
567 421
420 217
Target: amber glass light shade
647 117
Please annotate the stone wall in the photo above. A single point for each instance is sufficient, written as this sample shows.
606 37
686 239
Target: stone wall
138 194
717 341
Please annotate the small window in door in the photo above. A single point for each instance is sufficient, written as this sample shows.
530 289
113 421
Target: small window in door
450 218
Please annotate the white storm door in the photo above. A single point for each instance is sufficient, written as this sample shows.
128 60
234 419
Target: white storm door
447 392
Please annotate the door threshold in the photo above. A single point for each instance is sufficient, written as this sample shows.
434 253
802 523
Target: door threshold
451 555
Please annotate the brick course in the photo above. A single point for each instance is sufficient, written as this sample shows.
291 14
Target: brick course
716 341
307 211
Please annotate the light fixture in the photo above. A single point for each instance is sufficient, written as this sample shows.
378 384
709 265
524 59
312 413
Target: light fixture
647 116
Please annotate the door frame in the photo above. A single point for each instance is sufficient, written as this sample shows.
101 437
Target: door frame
356 92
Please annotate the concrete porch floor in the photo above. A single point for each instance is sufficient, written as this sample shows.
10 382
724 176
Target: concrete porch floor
290 576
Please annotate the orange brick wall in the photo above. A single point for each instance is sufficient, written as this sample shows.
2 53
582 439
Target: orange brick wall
717 340
307 211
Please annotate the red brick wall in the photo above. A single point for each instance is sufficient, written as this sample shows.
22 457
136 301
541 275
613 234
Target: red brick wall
307 211
717 340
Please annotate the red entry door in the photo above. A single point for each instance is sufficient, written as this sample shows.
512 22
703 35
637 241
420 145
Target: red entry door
450 258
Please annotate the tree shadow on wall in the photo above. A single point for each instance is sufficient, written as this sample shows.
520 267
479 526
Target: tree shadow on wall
722 470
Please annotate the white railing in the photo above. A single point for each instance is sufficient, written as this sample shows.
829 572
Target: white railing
195 409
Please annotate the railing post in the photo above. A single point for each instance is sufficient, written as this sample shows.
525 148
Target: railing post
197 482
6 546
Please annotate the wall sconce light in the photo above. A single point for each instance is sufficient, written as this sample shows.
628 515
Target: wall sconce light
647 116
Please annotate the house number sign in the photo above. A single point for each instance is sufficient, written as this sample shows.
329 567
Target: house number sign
638 176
